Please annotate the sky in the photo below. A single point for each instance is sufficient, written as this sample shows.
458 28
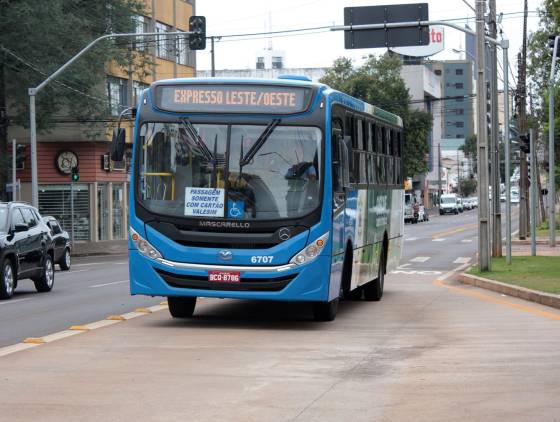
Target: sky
320 49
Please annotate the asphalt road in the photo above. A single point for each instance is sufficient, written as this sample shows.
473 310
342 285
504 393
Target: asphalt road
430 350
98 286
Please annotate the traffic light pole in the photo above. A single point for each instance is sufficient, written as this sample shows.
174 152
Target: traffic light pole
72 210
32 92
551 164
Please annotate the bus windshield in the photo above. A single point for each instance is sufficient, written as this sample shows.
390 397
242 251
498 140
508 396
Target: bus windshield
248 172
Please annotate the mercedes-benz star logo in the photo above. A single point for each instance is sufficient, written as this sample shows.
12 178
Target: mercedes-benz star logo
225 255
284 234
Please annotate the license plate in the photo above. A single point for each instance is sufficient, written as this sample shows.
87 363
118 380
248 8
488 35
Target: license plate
224 276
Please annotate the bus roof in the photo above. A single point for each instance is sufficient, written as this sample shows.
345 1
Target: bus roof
334 95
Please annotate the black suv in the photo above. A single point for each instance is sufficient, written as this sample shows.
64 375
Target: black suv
26 248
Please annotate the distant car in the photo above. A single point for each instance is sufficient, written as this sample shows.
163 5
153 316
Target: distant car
467 204
61 241
460 204
514 197
474 201
26 249
448 204
503 197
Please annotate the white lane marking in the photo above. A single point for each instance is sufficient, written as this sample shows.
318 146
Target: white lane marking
462 260
439 239
410 239
61 273
450 273
403 266
108 284
419 272
16 348
466 241
100 263
420 259
8 302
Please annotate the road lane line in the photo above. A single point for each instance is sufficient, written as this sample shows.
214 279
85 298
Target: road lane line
462 260
16 348
100 263
439 239
420 259
410 239
473 292
9 302
454 231
61 273
108 284
466 241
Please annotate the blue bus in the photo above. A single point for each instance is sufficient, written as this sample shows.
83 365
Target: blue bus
281 190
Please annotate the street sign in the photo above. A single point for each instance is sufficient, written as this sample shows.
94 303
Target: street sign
386 36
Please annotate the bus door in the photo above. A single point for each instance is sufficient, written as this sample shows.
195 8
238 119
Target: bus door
340 182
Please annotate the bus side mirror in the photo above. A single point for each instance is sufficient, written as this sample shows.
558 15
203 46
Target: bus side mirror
118 144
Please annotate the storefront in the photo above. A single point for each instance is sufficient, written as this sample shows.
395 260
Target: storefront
100 195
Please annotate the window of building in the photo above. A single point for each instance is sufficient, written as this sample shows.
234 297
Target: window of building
260 62
437 72
460 135
55 200
460 99
165 44
277 62
459 124
458 71
459 85
140 27
117 94
185 55
460 111
137 88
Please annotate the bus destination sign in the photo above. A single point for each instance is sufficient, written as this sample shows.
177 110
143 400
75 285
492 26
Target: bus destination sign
233 99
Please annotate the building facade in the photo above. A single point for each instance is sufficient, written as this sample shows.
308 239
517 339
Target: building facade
100 195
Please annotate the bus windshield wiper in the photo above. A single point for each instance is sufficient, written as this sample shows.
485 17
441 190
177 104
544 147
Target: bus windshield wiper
259 142
198 140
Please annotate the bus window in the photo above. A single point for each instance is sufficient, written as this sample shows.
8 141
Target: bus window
359 134
336 142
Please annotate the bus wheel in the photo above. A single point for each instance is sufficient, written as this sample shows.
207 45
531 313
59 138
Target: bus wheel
325 311
181 307
373 291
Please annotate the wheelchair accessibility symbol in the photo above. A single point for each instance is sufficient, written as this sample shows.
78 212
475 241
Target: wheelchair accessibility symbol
236 209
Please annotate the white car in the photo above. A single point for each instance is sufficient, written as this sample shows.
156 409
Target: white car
448 204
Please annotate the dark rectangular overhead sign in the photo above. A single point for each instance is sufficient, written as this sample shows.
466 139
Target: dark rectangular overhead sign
386 37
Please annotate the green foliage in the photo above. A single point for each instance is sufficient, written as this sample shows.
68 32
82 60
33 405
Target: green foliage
378 82
467 187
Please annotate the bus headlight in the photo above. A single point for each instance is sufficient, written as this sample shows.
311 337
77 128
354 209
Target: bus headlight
143 245
311 251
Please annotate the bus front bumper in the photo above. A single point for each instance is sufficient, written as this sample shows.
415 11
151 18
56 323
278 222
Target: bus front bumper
308 282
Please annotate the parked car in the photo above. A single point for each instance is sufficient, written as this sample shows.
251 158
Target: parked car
411 209
514 197
448 204
460 204
26 249
61 242
467 204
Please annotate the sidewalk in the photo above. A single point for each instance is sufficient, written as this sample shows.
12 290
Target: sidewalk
106 247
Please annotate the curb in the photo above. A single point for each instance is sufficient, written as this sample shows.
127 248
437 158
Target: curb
528 242
547 299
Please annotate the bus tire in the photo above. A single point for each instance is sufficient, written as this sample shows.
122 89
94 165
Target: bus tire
181 307
325 311
373 291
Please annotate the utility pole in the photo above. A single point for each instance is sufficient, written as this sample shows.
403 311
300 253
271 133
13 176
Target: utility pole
533 207
483 221
14 151
551 165
522 122
494 143
440 191
213 66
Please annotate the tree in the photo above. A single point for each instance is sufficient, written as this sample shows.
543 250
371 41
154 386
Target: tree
467 187
469 148
42 37
378 82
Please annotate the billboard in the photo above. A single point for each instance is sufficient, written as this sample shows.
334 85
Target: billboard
437 44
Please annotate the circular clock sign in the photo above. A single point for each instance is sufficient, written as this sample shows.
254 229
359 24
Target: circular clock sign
65 160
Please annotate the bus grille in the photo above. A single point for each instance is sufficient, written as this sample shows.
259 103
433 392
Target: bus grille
246 284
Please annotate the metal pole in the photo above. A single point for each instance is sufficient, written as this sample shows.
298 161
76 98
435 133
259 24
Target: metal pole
505 47
32 92
483 232
551 164
72 210
213 71
495 149
439 176
14 192
33 141
533 207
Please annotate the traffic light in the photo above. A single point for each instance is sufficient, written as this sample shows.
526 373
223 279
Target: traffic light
525 143
20 155
75 174
197 29
551 39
